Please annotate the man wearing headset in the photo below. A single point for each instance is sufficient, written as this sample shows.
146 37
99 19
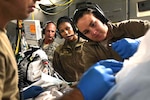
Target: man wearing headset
47 43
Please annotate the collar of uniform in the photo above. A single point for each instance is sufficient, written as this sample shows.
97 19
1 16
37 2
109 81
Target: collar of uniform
78 43
3 30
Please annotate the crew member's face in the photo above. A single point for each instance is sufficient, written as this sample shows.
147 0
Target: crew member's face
92 27
50 31
18 9
66 31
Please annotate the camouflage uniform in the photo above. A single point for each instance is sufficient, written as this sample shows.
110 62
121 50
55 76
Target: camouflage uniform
49 49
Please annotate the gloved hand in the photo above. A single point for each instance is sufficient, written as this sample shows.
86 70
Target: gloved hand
111 63
32 91
126 47
96 82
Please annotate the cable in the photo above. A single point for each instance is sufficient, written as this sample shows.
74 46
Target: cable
64 4
18 43
32 16
54 6
19 30
48 13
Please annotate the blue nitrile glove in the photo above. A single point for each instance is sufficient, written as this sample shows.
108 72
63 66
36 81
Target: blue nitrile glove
111 63
126 47
32 91
96 82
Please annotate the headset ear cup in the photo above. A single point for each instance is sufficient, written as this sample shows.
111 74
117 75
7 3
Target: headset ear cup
55 35
58 34
43 31
96 9
81 35
73 25
45 25
100 14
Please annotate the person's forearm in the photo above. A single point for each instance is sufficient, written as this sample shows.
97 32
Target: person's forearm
75 94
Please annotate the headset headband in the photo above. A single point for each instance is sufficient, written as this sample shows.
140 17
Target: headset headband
89 6
45 25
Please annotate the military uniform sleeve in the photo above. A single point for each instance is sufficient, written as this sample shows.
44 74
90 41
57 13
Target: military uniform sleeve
134 28
2 74
89 56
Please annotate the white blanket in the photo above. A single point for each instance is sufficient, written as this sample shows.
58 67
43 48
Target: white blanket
142 55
